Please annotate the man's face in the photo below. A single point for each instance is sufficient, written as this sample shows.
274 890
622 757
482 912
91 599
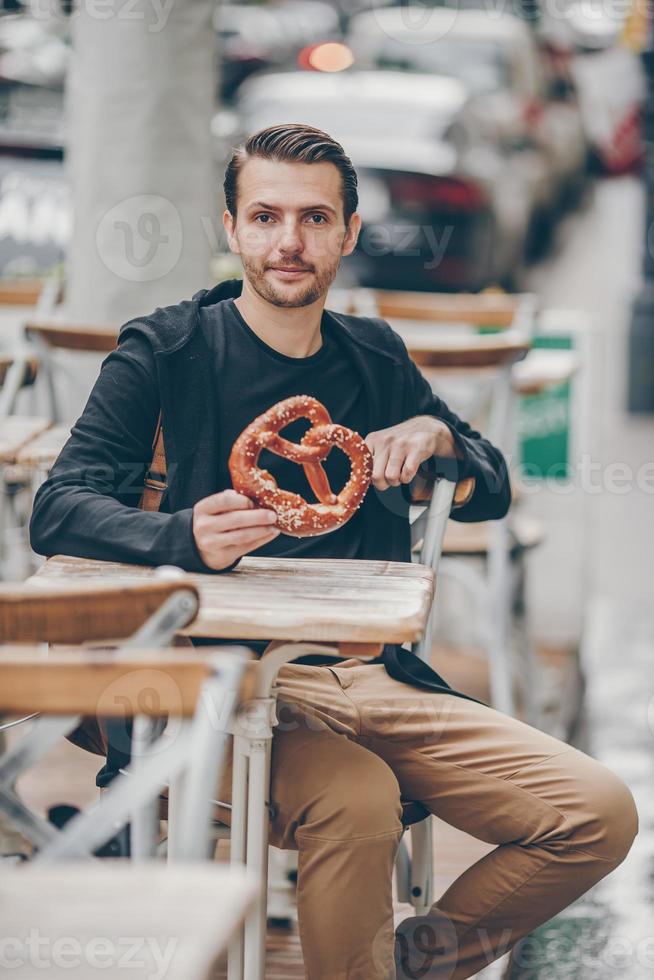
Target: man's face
290 231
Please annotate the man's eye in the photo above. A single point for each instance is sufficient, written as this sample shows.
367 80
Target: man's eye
266 216
321 218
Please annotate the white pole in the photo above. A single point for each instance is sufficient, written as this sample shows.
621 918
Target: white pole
140 95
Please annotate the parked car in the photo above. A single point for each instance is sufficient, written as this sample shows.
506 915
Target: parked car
34 58
442 205
499 58
612 89
248 39
251 38
308 21
35 216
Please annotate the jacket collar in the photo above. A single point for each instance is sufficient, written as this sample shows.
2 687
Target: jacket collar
350 326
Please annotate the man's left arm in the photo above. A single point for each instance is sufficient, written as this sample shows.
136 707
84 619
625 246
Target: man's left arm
434 432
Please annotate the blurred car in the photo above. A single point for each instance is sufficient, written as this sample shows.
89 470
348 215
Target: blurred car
442 206
254 38
249 39
499 58
35 217
612 89
34 58
308 21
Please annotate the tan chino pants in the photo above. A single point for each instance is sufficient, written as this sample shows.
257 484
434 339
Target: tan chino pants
351 743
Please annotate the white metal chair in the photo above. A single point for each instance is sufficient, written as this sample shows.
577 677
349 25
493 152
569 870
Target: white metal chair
191 907
156 610
415 872
475 371
49 332
253 733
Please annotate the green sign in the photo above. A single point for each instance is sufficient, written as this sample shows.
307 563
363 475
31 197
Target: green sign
544 424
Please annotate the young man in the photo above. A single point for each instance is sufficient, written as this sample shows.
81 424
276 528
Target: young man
363 735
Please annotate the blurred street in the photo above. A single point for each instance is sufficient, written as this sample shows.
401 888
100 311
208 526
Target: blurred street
595 267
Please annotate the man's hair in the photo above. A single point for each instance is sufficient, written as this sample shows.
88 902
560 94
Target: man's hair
293 143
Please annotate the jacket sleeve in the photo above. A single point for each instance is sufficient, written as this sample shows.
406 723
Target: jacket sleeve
481 459
88 507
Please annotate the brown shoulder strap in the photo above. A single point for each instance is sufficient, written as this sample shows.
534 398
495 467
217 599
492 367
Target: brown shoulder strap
155 485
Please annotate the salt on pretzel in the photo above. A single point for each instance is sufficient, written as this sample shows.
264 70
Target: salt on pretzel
295 516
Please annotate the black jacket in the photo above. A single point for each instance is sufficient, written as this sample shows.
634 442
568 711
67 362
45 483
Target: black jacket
89 505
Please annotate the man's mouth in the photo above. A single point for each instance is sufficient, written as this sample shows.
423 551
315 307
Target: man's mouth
289 272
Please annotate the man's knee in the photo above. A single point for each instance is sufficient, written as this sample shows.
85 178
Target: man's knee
607 821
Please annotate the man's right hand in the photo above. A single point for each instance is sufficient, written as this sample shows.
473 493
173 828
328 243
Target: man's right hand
227 525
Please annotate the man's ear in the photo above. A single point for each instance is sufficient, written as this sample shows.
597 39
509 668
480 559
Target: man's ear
229 224
351 235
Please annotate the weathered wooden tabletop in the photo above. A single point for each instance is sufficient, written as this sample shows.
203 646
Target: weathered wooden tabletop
348 602
118 913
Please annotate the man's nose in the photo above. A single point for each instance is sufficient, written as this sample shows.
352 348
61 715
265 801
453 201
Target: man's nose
290 239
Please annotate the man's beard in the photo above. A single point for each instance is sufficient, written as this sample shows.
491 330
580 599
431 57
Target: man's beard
312 292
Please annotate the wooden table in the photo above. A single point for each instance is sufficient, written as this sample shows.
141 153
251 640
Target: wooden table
119 919
357 605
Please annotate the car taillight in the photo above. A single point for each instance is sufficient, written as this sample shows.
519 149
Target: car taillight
533 113
446 193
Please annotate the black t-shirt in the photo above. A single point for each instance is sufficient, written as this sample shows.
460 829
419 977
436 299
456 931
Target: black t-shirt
253 378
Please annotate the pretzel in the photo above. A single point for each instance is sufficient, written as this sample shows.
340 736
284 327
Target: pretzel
295 516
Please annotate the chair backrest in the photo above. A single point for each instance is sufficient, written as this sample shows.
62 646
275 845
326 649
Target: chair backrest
22 292
63 687
111 682
38 455
90 337
67 613
499 310
49 330
18 370
428 531
16 432
47 336
199 690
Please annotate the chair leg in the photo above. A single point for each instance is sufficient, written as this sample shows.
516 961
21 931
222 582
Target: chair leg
250 831
501 675
257 858
238 842
422 866
530 668
144 823
403 872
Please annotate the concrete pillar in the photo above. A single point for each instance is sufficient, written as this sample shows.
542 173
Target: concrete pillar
140 96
